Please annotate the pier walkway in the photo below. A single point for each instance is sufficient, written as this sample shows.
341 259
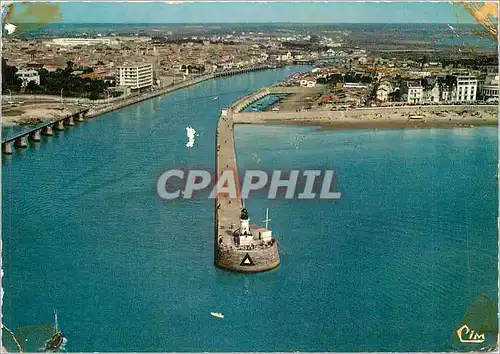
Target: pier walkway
228 255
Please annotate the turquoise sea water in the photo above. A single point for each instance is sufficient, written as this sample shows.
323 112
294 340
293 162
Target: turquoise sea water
8 132
392 266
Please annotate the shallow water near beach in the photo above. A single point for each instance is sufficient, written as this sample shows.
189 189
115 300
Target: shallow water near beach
391 266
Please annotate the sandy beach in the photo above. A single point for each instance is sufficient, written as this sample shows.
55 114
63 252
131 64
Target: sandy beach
390 117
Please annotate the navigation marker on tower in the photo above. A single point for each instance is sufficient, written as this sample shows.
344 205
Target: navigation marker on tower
247 261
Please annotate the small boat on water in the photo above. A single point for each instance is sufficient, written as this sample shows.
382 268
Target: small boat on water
217 314
57 340
216 98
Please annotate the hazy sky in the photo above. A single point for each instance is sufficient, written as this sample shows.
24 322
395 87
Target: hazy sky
264 12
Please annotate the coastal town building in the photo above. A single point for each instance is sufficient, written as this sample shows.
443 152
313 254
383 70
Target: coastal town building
488 89
28 75
363 60
136 76
309 81
447 93
431 93
286 57
466 88
354 85
385 88
415 93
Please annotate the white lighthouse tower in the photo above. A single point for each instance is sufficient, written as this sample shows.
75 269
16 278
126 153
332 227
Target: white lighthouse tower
244 223
245 236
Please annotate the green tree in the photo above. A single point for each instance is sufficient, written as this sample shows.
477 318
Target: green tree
32 87
10 81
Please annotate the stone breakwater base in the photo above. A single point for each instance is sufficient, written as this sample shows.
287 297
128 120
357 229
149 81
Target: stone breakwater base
262 259
227 211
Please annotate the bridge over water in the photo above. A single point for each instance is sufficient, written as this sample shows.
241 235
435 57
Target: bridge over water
34 134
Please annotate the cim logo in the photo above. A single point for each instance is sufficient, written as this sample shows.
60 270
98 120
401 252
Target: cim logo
467 335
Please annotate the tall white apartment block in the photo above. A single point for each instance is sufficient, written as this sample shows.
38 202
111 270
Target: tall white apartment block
136 76
466 88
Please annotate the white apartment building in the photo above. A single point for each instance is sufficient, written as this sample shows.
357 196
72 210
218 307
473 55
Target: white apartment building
447 93
27 75
136 76
466 88
286 57
415 93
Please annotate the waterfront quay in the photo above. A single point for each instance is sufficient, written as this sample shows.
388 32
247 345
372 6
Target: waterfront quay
119 103
229 255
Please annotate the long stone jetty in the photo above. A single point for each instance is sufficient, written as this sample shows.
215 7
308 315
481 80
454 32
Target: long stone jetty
229 254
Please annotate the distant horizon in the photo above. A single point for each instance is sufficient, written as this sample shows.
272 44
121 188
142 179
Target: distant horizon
271 12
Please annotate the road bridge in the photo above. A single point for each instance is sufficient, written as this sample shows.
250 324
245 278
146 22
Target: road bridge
20 140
